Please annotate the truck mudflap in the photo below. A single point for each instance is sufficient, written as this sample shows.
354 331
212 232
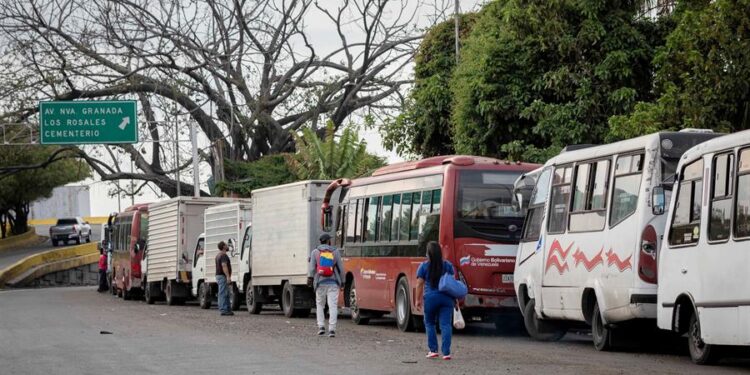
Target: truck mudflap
304 297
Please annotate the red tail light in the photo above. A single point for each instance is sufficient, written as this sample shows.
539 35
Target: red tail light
647 255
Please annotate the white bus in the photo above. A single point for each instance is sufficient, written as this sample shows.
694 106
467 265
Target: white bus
704 287
588 250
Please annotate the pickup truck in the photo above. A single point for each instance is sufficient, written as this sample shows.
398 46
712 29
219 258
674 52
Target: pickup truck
69 229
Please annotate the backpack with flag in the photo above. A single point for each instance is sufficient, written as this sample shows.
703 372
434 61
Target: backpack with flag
325 262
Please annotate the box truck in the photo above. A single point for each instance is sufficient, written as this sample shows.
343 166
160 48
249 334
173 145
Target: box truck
286 222
229 222
173 228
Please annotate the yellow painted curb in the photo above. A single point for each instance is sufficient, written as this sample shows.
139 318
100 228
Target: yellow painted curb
31 261
53 221
19 241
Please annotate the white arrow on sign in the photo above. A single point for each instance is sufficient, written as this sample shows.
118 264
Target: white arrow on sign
124 123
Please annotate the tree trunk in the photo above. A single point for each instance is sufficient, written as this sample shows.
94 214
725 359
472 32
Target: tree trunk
21 220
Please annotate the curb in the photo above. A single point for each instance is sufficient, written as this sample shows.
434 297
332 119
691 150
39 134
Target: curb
53 221
20 241
46 268
31 261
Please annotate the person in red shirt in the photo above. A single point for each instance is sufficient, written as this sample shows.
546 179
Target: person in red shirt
102 272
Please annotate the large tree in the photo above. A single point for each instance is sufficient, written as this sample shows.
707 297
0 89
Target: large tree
537 75
248 73
424 127
703 73
31 173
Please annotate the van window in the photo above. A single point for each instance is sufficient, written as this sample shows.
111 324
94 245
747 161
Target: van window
589 202
687 211
720 220
560 199
627 186
742 211
535 214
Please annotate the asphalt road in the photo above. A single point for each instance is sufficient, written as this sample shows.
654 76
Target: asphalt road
11 256
64 331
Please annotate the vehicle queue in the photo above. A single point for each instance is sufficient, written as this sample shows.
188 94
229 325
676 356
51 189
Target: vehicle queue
586 246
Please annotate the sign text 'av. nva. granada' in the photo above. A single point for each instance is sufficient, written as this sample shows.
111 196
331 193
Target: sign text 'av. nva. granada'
92 121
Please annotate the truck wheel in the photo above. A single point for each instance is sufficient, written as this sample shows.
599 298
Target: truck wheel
204 296
287 302
700 352
88 238
604 337
253 306
539 329
148 293
234 297
78 239
169 294
357 313
404 317
126 295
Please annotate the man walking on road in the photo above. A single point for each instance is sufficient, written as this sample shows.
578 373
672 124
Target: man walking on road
103 287
324 276
224 278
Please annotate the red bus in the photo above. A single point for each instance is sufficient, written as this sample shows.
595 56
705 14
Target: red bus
383 224
129 228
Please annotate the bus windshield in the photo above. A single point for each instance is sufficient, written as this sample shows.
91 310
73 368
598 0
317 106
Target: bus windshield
487 195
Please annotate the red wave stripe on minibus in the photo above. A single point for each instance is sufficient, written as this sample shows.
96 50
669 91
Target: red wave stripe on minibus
558 261
621 264
590 264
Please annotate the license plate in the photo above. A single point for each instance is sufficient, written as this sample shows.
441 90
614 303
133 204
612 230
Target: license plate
508 278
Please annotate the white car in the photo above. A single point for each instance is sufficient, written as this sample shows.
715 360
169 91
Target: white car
70 229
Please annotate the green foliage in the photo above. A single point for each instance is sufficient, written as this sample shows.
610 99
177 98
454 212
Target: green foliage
18 190
424 126
325 159
329 159
244 177
702 73
538 75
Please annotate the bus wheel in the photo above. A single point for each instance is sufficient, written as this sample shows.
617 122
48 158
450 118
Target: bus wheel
357 313
539 329
604 337
404 317
234 297
253 306
700 352
126 294
204 296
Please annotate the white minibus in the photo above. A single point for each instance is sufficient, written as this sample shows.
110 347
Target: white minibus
594 222
704 286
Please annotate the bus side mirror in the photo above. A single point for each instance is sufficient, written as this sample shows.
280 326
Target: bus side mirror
658 200
519 200
137 248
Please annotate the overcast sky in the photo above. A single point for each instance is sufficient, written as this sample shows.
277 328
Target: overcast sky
102 204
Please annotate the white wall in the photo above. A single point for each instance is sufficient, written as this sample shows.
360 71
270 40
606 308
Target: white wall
66 201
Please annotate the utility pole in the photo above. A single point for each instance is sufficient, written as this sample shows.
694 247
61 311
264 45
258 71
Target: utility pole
132 185
196 176
177 155
455 16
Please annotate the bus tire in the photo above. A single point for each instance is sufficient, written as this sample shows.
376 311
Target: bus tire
700 352
204 296
539 329
234 297
604 337
253 306
126 295
359 316
404 317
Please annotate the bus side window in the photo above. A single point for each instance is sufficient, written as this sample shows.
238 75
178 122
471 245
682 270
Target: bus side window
351 225
370 226
627 185
720 217
589 201
416 208
742 210
396 217
386 218
685 228
405 220
340 225
560 199
535 213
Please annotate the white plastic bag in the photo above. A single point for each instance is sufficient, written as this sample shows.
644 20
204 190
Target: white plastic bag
458 318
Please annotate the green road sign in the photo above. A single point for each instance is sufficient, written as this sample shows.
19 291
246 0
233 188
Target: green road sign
92 121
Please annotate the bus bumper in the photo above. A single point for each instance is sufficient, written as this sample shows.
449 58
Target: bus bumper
487 307
640 306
